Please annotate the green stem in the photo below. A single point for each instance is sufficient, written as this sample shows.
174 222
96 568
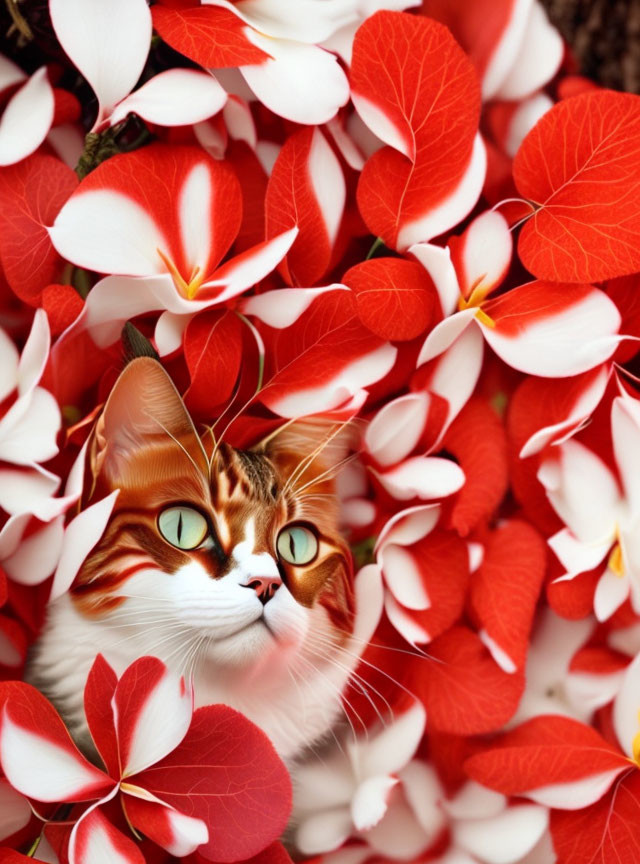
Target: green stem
377 243
34 846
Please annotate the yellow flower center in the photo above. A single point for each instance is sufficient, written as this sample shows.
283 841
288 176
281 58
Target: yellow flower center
475 300
187 289
616 561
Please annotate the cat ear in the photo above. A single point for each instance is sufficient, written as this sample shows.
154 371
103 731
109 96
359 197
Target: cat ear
311 447
144 411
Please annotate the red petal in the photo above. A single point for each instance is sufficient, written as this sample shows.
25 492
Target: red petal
212 37
464 691
63 304
31 194
95 835
37 753
607 832
430 109
505 589
306 188
580 165
98 695
478 441
543 751
226 773
213 352
395 299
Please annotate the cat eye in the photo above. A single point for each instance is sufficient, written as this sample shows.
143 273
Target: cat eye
183 527
297 544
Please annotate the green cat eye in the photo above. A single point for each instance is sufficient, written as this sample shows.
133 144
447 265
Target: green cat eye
297 544
183 527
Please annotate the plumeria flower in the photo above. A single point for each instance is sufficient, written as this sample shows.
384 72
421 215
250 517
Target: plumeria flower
29 424
110 50
162 219
602 516
28 114
174 771
348 794
539 328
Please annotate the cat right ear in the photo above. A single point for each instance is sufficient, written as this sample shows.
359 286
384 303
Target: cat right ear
144 412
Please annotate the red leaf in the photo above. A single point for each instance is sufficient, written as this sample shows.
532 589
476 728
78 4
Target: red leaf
210 36
415 74
579 165
274 854
312 353
63 304
298 180
226 773
213 352
98 695
464 691
607 832
31 194
505 590
253 183
478 441
395 298
543 751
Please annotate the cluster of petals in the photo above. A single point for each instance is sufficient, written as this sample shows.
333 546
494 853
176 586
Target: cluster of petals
409 218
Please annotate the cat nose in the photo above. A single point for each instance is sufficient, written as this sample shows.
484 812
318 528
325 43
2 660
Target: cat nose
265 587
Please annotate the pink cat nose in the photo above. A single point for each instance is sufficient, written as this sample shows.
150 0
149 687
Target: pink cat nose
265 587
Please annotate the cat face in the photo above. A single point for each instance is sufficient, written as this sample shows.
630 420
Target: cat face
229 556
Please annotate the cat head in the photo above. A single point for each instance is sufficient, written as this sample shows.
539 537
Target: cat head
237 552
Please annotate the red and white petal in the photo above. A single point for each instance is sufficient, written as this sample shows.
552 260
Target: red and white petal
437 262
29 428
583 491
36 557
105 231
581 403
474 801
239 122
576 794
95 840
15 811
38 756
452 210
408 526
282 307
80 536
27 491
424 477
403 576
250 267
625 429
523 119
176 97
302 83
399 836
344 384
611 592
10 74
370 801
35 353
404 622
147 729
9 360
506 50
505 838
178 834
538 59
392 748
552 330
445 334
27 119
111 46
397 428
455 373
312 23
424 794
625 708
369 594
576 556
483 254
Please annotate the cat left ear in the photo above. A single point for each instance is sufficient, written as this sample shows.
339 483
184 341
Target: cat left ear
144 411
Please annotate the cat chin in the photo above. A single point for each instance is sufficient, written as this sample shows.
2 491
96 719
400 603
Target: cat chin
253 644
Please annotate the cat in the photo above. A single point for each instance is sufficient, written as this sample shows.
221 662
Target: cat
226 564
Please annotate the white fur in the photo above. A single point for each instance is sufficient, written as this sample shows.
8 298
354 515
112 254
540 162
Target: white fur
265 661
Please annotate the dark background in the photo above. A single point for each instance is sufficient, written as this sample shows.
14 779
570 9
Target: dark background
605 37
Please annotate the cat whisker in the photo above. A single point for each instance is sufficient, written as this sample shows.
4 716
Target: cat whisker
184 450
329 474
